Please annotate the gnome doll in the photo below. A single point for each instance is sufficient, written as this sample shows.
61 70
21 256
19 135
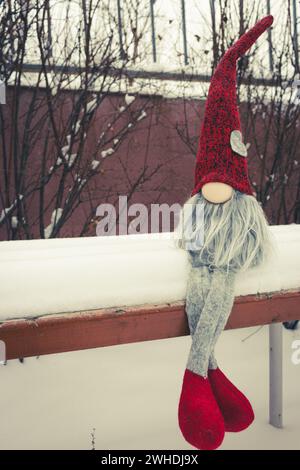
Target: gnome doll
225 231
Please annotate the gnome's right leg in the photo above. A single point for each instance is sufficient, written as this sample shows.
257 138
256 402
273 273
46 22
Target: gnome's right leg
200 418
212 319
197 294
235 407
197 291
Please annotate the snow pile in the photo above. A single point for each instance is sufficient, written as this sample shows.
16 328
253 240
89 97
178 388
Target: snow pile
106 389
39 277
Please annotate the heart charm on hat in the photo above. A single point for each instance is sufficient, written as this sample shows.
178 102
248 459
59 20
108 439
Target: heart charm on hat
237 144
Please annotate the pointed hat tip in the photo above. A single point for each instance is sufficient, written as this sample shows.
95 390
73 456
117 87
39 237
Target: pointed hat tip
244 43
267 21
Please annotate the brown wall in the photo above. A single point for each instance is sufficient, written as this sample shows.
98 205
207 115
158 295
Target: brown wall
153 143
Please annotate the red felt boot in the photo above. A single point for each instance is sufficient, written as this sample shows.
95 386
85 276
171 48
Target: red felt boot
200 419
235 407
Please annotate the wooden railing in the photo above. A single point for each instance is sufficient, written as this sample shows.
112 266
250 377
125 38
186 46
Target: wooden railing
63 332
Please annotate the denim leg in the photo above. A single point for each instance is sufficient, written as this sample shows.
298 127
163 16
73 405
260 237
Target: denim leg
216 308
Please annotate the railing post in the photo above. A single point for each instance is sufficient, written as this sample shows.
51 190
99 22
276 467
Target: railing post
275 375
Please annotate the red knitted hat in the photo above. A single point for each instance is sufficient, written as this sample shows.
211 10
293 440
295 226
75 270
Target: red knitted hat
221 155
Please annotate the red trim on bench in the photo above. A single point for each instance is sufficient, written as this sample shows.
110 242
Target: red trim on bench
63 332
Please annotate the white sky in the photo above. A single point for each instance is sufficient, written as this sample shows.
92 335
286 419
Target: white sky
169 37
168 25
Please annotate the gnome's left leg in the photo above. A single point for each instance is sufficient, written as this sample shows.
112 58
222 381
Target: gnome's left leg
234 405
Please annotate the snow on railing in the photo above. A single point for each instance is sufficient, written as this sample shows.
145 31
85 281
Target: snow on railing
39 277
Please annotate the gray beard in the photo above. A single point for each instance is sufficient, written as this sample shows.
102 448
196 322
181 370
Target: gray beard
234 235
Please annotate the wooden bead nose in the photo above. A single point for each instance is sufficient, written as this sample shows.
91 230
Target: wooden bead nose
216 192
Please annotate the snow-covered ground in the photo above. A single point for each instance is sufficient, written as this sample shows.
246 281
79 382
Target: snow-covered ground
129 394
65 275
